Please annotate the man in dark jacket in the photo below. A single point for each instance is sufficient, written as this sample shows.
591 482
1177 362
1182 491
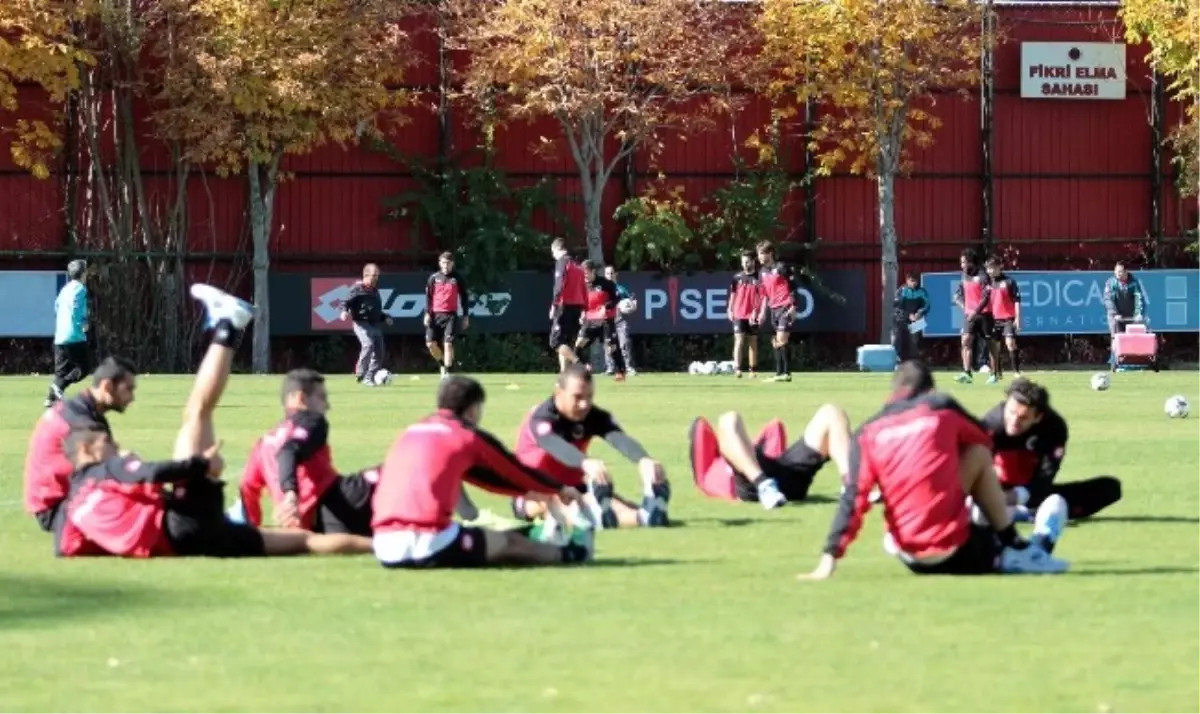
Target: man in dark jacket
910 306
364 308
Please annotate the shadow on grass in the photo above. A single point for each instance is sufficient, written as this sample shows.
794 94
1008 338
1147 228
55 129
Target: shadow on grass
30 602
1154 570
1137 519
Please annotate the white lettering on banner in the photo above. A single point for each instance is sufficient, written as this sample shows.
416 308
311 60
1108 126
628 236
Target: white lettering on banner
711 304
654 300
1061 293
407 305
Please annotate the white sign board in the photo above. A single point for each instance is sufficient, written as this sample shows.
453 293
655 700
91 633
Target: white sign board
1072 70
27 302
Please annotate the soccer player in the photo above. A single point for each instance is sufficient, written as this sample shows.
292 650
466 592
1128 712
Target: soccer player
566 304
622 325
72 360
295 464
726 465
1029 440
47 467
599 320
1005 302
422 479
745 300
554 439
974 296
445 292
926 455
364 308
778 305
910 305
119 505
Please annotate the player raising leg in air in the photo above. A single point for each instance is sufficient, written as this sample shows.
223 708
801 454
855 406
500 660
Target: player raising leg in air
745 300
726 465
119 504
1006 315
445 293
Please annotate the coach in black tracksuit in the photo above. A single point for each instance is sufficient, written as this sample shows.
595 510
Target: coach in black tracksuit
365 309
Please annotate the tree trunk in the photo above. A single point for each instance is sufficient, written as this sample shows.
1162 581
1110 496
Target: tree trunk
889 260
263 179
593 222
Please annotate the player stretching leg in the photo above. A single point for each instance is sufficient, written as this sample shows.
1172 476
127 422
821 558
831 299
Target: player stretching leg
422 479
119 505
745 297
554 439
1029 442
778 306
926 454
445 293
1006 315
726 465
566 305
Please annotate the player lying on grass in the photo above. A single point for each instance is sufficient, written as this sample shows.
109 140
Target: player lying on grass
120 505
47 468
726 465
421 481
1029 444
926 455
294 463
554 439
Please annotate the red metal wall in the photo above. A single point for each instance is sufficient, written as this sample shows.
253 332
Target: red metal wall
1072 179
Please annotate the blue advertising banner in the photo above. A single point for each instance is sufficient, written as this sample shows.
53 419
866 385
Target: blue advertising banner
1068 302
27 302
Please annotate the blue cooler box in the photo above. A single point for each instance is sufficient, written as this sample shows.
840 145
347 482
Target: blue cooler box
877 358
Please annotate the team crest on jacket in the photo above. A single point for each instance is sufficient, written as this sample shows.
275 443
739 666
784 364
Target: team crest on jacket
577 431
543 428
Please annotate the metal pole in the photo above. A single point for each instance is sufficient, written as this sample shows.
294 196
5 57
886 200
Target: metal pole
1157 133
986 98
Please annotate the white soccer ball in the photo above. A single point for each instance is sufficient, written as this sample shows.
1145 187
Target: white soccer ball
709 368
1177 407
725 367
695 367
626 306
382 377
1101 381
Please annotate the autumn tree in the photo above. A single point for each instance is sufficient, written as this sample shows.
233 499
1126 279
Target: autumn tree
247 82
1171 28
877 67
616 75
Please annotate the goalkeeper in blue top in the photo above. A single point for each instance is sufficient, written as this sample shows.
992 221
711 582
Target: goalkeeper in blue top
910 305
621 324
72 361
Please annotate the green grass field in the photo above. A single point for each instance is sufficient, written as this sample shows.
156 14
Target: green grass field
703 617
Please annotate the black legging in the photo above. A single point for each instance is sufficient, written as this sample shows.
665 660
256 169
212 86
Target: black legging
1084 498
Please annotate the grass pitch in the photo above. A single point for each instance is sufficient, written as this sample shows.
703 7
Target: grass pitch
703 617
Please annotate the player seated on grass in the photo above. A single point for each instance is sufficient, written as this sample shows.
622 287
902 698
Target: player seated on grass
1029 442
120 506
421 481
926 454
554 439
47 468
295 464
726 465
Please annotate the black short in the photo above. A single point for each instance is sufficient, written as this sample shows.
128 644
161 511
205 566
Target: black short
745 327
793 471
196 525
467 550
980 555
345 507
780 318
442 327
49 519
1004 329
73 361
604 331
565 326
978 326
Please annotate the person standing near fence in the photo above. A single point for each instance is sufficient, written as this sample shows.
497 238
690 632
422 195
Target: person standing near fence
622 325
364 308
910 306
72 359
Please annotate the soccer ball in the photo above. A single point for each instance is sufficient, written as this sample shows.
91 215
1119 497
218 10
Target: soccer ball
626 306
1101 381
708 368
382 377
725 367
695 367
1177 407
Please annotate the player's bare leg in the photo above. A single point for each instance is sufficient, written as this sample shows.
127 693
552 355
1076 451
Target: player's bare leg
228 316
506 548
978 478
752 354
737 449
435 351
738 341
292 541
448 357
828 432
1013 354
566 357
